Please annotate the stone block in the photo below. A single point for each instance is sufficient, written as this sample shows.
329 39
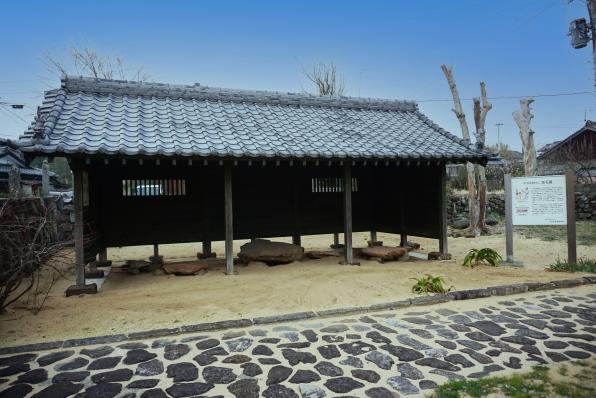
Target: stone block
428 300
469 294
76 290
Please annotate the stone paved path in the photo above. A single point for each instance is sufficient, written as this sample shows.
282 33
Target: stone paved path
387 354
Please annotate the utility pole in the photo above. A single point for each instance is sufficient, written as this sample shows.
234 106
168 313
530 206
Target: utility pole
579 30
499 135
592 13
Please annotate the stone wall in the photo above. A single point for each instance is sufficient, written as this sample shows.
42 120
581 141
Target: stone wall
585 204
458 205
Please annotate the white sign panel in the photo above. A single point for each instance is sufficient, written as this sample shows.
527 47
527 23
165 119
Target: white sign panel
539 200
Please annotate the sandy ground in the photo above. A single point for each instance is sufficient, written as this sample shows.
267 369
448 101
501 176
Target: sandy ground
147 301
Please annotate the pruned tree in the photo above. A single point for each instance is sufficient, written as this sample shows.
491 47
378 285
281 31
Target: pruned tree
326 79
473 199
481 108
89 62
523 117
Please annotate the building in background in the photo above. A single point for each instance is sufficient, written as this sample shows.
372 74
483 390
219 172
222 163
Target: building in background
576 152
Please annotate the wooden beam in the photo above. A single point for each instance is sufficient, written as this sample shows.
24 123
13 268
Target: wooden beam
443 248
348 251
229 218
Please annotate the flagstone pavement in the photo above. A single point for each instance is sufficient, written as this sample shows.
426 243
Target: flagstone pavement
396 353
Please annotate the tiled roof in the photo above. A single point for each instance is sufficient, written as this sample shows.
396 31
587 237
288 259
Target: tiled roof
93 116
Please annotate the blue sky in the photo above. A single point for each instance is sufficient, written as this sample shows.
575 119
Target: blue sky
386 49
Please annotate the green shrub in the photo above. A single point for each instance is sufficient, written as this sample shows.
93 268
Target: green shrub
482 256
429 284
582 265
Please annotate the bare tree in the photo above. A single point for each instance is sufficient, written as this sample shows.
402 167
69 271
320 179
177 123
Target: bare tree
480 112
29 246
523 117
326 79
473 199
89 62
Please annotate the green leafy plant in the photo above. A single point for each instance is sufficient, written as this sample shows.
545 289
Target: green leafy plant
582 265
482 256
429 284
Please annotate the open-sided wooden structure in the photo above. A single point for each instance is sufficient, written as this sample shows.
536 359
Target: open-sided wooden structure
157 163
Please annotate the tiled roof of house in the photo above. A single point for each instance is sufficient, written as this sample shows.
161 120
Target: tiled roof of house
93 116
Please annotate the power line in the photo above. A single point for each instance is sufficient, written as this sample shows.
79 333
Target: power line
9 112
514 96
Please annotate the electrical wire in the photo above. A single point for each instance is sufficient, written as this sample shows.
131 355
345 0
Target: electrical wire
513 96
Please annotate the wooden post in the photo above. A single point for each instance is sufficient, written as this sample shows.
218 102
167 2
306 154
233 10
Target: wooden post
373 236
571 238
45 179
155 250
296 239
509 260
207 249
102 256
78 227
80 287
348 251
443 248
229 219
403 240
335 244
403 236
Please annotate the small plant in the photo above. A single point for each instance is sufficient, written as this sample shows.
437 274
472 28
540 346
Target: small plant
582 265
429 284
482 256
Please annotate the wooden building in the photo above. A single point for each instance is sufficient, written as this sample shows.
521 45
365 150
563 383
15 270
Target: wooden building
577 153
157 163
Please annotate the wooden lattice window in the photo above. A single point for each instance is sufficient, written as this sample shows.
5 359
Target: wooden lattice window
154 187
331 184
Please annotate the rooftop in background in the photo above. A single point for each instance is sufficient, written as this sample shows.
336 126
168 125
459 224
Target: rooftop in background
111 117
589 127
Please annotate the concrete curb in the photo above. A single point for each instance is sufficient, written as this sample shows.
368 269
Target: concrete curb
502 290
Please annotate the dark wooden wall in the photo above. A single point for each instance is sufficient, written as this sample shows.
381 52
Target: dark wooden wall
268 201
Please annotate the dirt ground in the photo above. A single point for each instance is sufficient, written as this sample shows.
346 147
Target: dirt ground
147 301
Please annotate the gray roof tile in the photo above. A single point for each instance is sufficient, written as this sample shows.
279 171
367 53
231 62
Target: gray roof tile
118 117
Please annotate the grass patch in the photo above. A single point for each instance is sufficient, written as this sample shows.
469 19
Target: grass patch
533 384
537 383
582 265
429 284
585 231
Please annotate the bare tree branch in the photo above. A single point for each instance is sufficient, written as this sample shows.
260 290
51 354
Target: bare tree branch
89 62
326 79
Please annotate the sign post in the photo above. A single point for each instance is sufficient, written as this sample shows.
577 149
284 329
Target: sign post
544 200
509 226
571 238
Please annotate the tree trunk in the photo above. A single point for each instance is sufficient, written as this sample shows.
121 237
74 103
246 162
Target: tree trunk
459 113
523 117
481 108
